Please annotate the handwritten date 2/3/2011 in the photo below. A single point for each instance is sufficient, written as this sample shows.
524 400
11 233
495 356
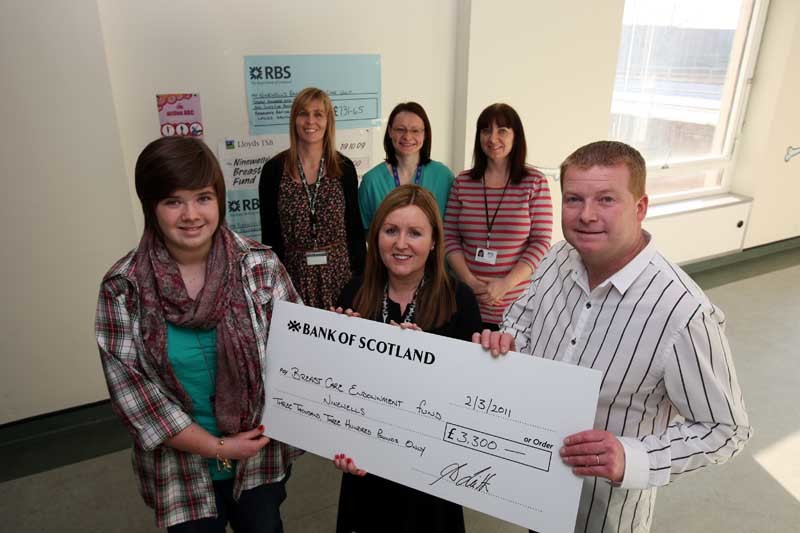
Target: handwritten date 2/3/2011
479 481
486 405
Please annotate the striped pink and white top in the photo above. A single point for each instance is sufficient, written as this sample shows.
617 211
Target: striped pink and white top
521 232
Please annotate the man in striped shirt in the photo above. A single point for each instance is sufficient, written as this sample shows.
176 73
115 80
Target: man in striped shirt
606 299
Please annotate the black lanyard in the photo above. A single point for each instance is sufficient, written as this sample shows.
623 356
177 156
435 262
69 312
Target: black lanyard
312 198
490 225
409 309
417 176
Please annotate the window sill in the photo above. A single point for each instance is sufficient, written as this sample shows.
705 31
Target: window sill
695 204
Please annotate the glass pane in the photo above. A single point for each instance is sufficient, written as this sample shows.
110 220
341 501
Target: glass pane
684 182
677 67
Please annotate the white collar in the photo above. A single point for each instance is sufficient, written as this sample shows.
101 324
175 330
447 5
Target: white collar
623 278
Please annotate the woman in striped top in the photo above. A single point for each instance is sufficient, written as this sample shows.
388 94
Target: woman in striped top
499 216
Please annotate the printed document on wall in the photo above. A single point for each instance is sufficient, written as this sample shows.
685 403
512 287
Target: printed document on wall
242 159
353 82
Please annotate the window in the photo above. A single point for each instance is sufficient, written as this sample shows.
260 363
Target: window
681 85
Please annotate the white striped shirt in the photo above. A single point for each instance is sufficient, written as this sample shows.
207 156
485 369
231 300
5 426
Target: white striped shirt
669 388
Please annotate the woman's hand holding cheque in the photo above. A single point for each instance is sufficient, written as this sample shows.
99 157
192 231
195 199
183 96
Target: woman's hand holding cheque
497 342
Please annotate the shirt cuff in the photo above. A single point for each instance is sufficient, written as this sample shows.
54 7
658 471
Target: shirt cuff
637 464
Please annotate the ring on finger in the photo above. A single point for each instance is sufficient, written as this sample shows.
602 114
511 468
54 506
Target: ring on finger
597 458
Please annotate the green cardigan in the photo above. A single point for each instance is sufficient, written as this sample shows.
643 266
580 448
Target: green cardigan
379 182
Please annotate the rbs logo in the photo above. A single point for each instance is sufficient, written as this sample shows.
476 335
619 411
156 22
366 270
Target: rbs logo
270 73
237 206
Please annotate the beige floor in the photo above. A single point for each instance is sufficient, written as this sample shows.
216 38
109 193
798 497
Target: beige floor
100 495
757 492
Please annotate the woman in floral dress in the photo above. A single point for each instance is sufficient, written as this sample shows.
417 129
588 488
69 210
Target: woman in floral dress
309 204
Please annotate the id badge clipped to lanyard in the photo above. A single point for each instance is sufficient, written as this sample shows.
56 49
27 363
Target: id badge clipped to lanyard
486 255
315 257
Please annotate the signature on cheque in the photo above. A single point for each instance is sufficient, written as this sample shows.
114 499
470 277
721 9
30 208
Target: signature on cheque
479 480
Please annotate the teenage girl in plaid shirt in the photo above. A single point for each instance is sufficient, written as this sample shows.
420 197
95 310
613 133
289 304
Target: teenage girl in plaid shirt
181 324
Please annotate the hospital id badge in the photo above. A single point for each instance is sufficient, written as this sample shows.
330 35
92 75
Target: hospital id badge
485 255
317 258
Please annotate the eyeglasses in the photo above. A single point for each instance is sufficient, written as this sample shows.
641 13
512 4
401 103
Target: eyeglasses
413 131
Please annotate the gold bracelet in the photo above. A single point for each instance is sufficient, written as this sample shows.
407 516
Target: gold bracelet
223 464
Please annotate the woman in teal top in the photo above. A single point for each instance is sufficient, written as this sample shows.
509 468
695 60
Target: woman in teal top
407 143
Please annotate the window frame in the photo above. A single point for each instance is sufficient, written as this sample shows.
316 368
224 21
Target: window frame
731 115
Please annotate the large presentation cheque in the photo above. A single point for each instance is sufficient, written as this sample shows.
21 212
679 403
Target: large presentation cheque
433 413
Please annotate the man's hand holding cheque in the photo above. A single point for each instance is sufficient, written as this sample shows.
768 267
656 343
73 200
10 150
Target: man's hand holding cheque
595 453
589 453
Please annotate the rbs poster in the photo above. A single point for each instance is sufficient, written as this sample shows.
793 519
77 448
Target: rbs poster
353 81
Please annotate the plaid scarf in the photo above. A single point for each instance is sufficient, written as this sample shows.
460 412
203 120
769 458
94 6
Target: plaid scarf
221 304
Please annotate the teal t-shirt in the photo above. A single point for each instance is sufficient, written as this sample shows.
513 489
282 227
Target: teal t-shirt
193 356
379 181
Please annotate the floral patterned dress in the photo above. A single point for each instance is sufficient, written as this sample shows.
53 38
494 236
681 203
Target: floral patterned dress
318 285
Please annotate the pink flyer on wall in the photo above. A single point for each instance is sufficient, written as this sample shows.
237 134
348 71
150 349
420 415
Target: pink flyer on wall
179 114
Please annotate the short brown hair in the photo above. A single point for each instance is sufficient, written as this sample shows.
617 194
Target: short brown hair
437 298
388 146
609 154
333 166
171 163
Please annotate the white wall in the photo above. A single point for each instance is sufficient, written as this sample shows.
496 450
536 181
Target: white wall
186 46
66 208
78 105
772 124
554 63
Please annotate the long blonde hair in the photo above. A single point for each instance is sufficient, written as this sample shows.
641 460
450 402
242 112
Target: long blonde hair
304 98
436 300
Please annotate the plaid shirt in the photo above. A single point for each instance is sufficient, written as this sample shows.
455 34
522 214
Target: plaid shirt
175 483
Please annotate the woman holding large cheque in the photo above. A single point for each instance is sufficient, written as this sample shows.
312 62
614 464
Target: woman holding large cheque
405 282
